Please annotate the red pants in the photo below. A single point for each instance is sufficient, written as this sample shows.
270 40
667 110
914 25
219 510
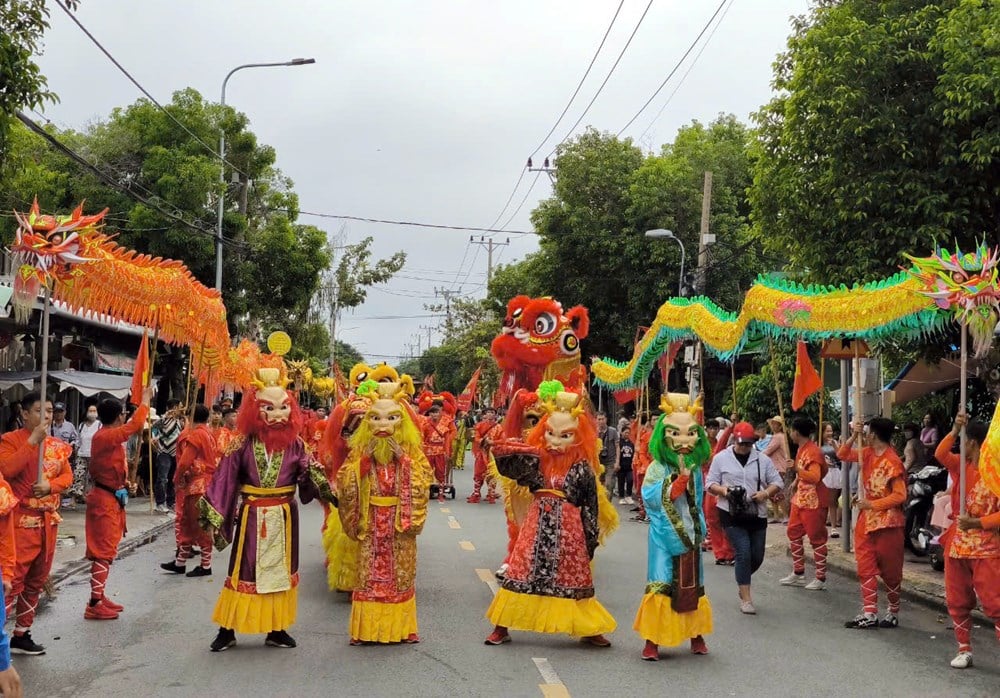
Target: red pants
812 523
964 579
105 525
879 554
440 466
721 547
35 549
481 475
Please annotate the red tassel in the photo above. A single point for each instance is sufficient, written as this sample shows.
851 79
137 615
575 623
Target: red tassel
263 528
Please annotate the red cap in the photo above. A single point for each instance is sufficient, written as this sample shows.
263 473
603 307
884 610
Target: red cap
743 433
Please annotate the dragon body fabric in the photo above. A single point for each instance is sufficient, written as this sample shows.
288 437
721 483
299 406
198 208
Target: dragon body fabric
919 301
89 273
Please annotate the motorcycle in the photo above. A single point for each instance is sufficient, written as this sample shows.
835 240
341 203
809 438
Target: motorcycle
921 487
940 521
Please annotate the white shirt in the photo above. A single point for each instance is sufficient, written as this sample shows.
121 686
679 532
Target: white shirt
87 431
726 471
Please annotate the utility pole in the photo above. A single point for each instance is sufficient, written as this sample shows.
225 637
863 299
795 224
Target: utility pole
489 243
420 348
429 330
547 167
705 238
447 294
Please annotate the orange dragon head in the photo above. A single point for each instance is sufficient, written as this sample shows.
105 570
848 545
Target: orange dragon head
539 341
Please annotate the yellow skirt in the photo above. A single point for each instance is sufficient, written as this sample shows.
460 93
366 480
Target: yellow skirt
658 622
374 621
341 555
256 613
549 614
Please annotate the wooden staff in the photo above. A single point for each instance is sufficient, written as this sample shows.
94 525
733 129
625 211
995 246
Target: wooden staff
777 388
44 377
732 375
822 384
857 417
191 398
963 398
149 440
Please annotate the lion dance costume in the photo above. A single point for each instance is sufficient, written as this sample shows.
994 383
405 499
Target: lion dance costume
250 503
675 607
548 586
383 490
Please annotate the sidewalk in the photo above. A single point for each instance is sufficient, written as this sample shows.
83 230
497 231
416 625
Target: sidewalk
71 549
920 583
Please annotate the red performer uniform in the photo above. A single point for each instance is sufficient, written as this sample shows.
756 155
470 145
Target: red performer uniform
809 507
438 439
197 458
972 557
721 547
105 513
878 535
35 520
483 433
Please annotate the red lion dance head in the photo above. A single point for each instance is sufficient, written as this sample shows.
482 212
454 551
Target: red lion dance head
271 413
539 342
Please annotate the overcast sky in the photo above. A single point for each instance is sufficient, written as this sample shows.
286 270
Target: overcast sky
419 111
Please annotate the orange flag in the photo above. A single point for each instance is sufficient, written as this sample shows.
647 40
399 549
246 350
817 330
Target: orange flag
469 394
140 377
807 381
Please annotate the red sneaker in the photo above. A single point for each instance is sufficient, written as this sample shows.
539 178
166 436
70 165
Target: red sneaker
491 499
597 641
498 637
650 653
411 639
698 645
99 612
116 607
474 498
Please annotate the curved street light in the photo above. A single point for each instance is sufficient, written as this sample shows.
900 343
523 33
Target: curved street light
669 234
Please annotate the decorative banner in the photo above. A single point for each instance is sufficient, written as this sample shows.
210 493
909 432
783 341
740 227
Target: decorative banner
279 343
469 394
807 381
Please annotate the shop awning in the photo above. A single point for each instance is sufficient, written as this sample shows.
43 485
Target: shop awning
86 382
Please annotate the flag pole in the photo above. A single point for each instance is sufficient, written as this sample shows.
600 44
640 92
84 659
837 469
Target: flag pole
732 375
963 398
858 418
44 377
149 440
822 385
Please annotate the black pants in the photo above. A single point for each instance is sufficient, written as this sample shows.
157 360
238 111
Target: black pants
624 482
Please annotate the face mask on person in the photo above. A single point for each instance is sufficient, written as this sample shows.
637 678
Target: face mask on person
92 414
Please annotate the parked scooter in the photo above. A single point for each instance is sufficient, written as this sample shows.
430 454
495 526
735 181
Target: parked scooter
940 521
921 487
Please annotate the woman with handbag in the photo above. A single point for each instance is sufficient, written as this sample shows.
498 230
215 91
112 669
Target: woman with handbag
744 479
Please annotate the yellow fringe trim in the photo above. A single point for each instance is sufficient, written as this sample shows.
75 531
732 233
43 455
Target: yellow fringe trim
256 613
658 622
374 621
548 614
341 555
607 516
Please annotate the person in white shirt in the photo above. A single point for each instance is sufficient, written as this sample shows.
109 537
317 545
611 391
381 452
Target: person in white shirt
88 427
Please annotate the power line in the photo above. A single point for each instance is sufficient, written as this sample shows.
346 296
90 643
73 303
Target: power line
126 189
412 224
676 67
607 77
144 91
510 198
690 67
580 84
524 200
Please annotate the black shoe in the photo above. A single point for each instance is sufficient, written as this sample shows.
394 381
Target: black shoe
199 572
23 644
890 620
173 567
279 638
863 622
224 640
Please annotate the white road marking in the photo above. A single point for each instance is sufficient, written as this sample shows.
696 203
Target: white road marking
490 579
466 545
553 686
445 510
453 522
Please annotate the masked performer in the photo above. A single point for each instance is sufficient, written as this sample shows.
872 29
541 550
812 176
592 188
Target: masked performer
439 433
383 490
675 608
548 587
250 502
197 458
36 518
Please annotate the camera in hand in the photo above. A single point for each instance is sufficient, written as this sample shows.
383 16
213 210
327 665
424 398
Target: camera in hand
741 508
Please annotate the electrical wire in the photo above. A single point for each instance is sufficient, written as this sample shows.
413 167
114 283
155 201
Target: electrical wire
687 72
144 91
412 224
676 67
580 84
127 189
606 77
524 200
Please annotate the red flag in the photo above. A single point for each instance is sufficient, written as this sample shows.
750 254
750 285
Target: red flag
666 361
340 382
469 394
140 376
807 381
623 397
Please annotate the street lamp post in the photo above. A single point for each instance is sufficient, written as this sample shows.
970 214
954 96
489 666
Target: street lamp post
222 159
661 233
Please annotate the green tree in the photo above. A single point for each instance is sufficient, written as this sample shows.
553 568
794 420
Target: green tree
884 137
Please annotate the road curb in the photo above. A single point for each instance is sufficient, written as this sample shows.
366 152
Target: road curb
127 547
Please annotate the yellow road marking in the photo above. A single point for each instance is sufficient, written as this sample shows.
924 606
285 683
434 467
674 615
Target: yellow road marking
466 545
453 522
490 580
445 510
553 686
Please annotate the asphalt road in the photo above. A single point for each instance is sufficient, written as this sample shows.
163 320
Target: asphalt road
795 646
